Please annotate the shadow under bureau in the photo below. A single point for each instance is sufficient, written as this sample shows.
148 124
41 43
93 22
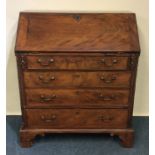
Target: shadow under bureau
77 73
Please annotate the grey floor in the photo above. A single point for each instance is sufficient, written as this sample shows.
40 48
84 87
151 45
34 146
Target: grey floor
75 144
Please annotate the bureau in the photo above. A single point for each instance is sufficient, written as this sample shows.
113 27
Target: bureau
77 73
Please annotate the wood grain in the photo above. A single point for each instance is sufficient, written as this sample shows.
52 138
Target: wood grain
77 79
76 98
93 32
83 118
77 73
76 62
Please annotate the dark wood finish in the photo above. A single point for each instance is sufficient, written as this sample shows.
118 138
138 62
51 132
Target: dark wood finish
77 63
27 135
76 97
75 118
62 32
77 79
127 139
77 73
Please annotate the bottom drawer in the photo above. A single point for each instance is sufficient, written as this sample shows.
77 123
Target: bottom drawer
77 118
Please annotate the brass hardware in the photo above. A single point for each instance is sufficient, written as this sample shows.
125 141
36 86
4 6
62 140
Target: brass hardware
52 78
108 80
41 78
114 61
102 78
107 98
43 63
48 119
46 99
105 118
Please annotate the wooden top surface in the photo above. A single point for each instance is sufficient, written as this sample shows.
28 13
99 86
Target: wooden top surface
68 32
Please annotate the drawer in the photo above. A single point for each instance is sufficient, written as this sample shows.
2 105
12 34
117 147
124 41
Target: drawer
77 62
77 79
77 118
78 97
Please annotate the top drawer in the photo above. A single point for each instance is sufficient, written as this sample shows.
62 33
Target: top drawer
77 62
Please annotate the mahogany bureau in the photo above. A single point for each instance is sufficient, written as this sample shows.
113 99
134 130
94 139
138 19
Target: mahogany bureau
77 73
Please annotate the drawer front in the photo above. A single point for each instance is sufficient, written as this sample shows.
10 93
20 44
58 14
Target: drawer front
77 62
78 97
73 118
77 79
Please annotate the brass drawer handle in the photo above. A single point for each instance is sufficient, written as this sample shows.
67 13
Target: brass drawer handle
108 80
42 79
47 99
107 98
48 119
105 118
114 61
45 63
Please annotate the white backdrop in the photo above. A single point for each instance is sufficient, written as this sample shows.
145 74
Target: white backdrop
140 7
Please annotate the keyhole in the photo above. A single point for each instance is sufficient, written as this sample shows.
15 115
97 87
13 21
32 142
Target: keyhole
77 17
